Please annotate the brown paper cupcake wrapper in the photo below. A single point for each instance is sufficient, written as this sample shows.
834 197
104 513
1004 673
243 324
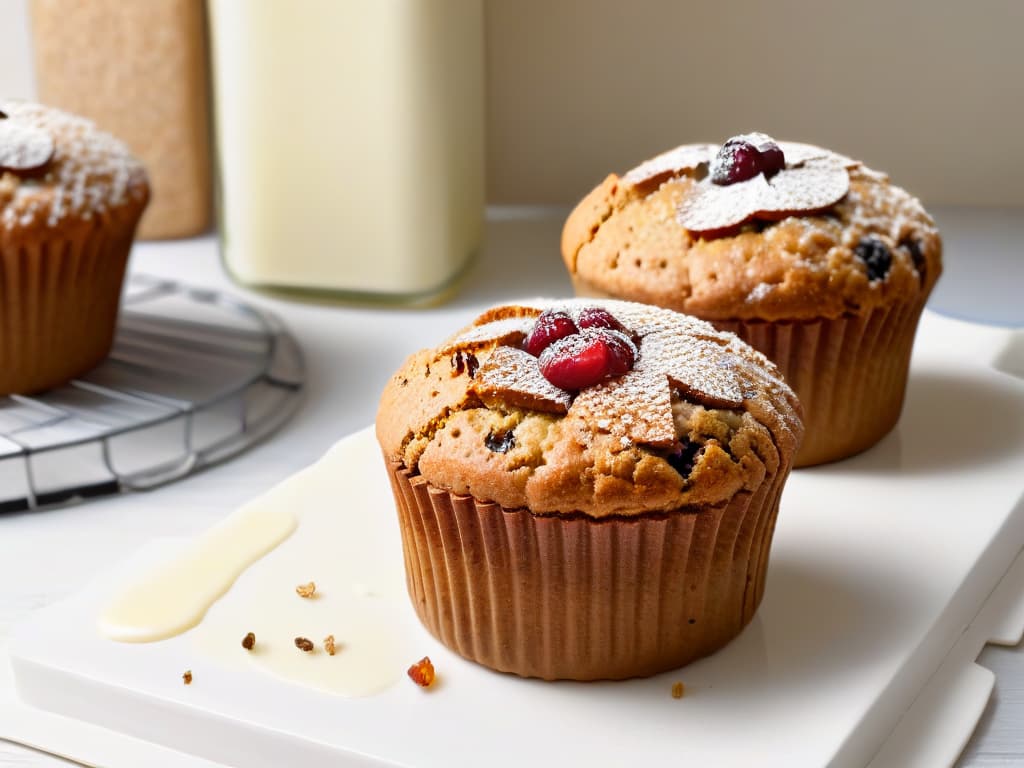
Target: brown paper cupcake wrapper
577 598
849 373
59 296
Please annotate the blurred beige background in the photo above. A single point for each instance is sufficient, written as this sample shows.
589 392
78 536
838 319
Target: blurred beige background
931 91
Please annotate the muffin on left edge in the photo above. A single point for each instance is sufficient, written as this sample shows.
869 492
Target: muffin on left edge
70 199
587 489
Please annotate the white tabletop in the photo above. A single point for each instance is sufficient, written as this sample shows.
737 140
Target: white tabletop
350 352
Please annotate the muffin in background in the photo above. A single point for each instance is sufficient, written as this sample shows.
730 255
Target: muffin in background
812 258
587 490
70 199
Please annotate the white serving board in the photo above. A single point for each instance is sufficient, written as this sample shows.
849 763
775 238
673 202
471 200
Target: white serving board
880 565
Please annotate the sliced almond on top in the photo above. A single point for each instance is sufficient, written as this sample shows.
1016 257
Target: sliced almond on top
813 186
699 367
637 405
24 148
507 330
798 153
686 158
511 376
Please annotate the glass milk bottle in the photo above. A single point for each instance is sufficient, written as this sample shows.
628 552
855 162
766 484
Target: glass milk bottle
350 143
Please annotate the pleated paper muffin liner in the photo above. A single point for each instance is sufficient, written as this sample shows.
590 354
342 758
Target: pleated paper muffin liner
849 373
59 297
571 597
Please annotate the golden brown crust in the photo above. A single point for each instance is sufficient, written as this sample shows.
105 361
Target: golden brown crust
588 217
596 459
624 239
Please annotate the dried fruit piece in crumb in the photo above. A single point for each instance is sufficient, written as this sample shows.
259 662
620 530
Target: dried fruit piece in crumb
584 359
813 186
678 689
304 644
187 677
743 157
551 325
876 256
502 441
306 590
249 641
422 672
599 317
329 645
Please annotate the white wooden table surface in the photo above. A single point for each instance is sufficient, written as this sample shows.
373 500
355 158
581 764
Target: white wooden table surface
350 352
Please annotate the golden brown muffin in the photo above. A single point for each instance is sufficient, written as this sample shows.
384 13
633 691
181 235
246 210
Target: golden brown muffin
583 497
70 198
823 265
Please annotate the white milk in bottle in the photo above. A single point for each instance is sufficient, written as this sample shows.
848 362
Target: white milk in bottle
350 143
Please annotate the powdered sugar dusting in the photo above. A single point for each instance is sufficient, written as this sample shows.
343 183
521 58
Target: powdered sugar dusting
797 153
759 292
684 159
23 147
512 375
507 330
886 210
89 172
815 184
699 367
644 319
711 367
814 178
636 407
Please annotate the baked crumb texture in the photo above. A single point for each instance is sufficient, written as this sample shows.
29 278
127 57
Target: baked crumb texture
701 418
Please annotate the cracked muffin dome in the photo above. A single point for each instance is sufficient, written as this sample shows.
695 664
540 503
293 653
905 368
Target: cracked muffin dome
70 198
811 257
555 462
700 417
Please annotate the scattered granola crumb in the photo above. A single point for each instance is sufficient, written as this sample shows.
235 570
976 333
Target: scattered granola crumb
678 689
329 645
306 590
249 641
304 644
187 677
422 672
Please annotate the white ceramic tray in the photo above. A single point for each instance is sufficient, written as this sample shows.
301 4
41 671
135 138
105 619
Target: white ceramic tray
880 567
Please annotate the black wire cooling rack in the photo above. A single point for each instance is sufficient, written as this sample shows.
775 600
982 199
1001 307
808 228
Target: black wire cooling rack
194 378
